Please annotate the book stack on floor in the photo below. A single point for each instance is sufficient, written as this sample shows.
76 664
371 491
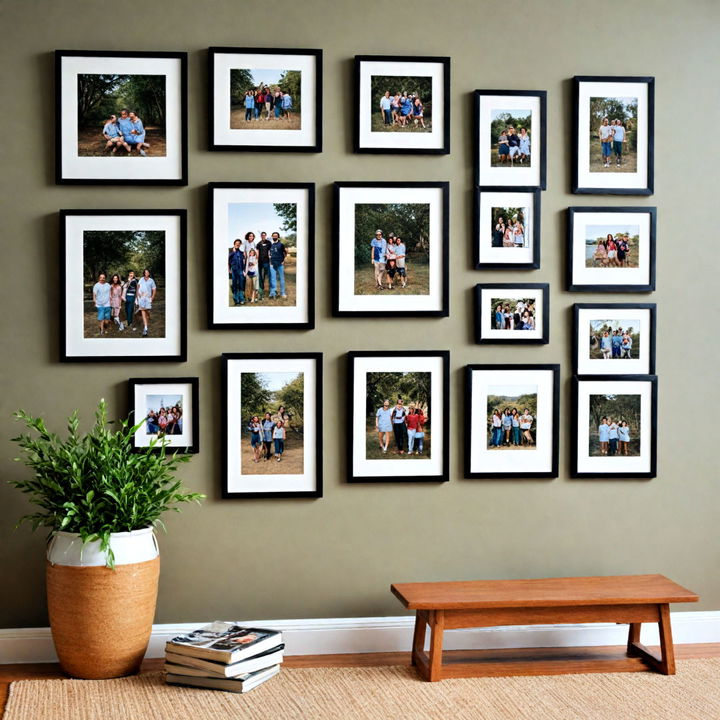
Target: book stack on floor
224 656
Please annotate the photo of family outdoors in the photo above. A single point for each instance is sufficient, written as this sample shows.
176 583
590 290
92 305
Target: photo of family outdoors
397 415
392 248
510 136
121 115
511 417
613 140
614 340
612 246
164 415
512 313
262 259
510 227
614 425
124 283
400 103
271 410
265 99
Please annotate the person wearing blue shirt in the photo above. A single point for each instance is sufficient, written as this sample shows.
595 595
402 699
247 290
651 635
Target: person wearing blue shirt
249 105
499 318
618 140
386 108
111 133
606 345
405 108
383 425
603 431
267 426
287 105
101 298
378 255
236 268
277 253
616 344
138 133
507 425
612 437
125 125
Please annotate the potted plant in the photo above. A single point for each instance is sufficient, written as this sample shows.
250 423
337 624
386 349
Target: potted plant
101 500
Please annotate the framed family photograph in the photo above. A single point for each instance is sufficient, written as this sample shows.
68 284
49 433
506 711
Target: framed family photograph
611 249
265 99
272 420
513 421
121 118
613 133
507 228
614 339
402 104
124 295
616 427
167 410
400 415
262 256
510 138
512 313
391 241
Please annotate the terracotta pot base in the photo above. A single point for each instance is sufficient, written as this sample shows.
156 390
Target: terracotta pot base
101 619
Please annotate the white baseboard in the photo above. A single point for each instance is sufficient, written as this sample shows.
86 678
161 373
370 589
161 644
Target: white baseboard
391 634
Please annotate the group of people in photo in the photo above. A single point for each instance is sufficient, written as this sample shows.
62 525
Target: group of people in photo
133 296
612 135
613 251
126 132
614 344
614 436
519 317
388 258
510 233
254 265
510 428
406 424
164 421
402 109
513 146
275 104
267 434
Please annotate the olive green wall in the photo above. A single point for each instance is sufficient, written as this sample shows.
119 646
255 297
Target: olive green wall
336 556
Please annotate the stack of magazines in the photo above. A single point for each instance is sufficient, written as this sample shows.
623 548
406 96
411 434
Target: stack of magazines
224 656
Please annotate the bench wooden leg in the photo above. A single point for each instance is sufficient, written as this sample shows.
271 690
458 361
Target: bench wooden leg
437 626
418 647
667 665
633 637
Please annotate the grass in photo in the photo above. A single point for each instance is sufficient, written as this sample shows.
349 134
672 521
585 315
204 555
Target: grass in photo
614 340
272 407
512 417
612 246
510 227
123 284
400 103
392 249
164 414
512 313
613 134
614 425
265 99
121 116
397 415
511 138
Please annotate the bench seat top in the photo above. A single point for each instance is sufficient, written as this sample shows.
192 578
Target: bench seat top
544 592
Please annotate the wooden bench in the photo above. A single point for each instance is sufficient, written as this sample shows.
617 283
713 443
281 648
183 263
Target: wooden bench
632 599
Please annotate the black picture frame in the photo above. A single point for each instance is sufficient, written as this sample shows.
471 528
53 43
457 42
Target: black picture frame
310 188
445 425
573 286
480 339
223 147
536 232
477 99
442 185
577 188
576 381
194 383
651 308
60 178
554 368
65 356
317 357
357 72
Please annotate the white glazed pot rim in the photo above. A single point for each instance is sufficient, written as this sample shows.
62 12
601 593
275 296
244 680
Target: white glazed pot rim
125 533
66 548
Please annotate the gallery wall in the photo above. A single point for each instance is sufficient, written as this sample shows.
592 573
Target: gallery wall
336 556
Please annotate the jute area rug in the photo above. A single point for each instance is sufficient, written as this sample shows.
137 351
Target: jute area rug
383 693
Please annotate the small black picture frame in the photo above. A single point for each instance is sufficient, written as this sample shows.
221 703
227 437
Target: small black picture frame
485 240
582 276
487 455
71 154
308 483
426 466
514 328
180 439
638 358
365 140
589 464
222 138
500 175
588 177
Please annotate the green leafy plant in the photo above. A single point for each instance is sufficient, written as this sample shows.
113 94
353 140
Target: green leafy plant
95 484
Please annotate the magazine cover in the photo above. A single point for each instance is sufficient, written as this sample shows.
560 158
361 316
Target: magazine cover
223 636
